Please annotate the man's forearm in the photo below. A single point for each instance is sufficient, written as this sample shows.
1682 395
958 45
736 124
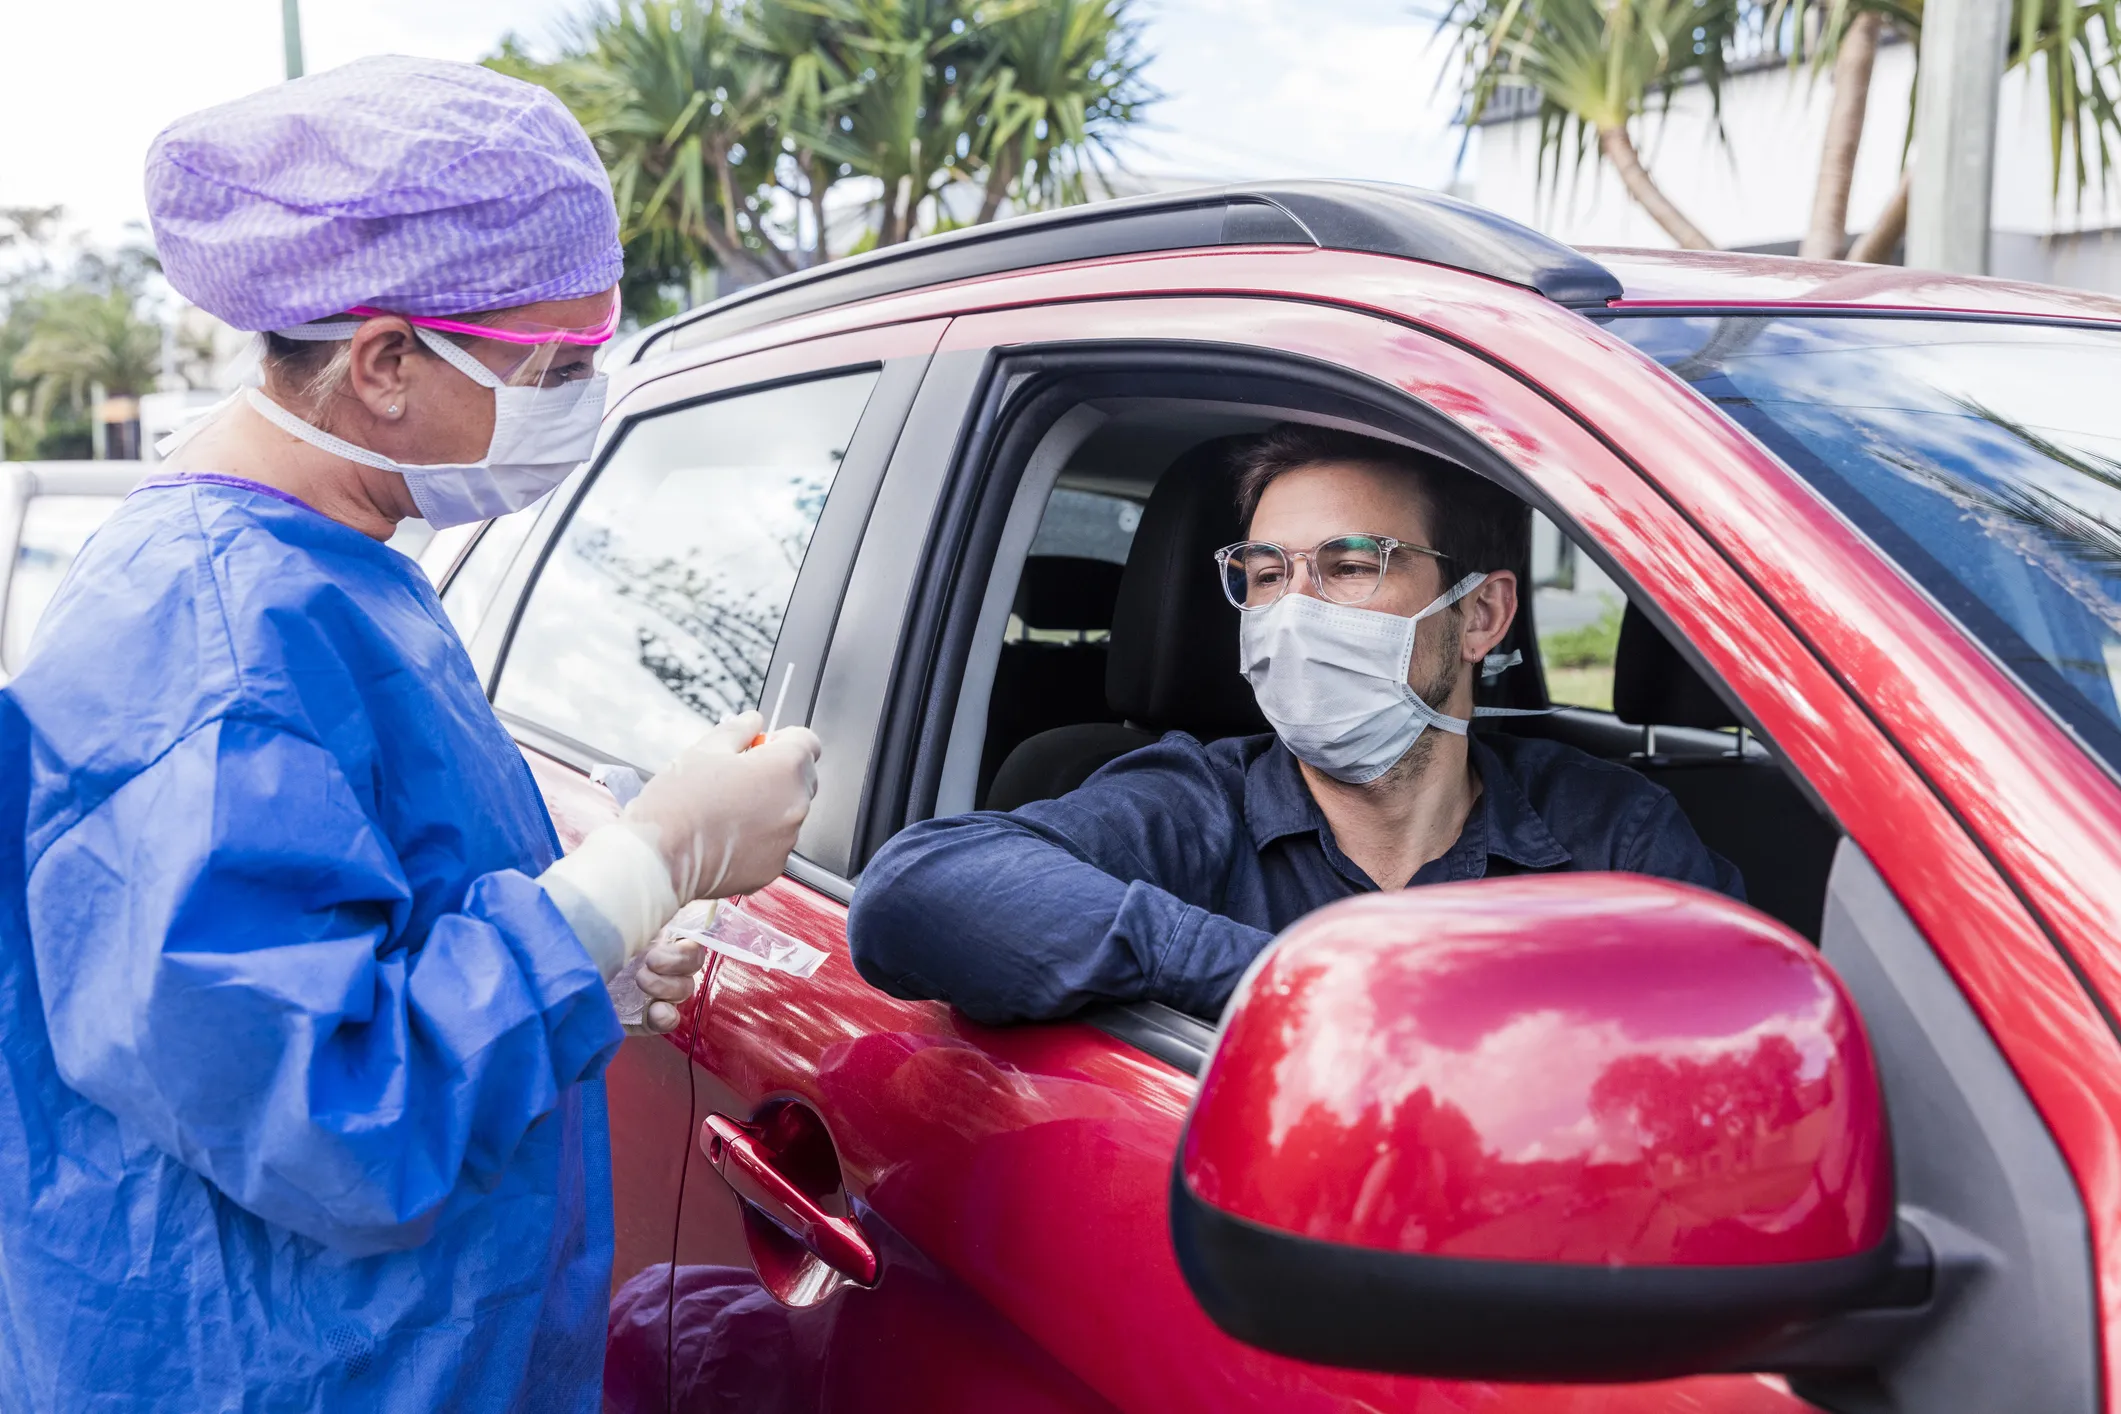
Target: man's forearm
1004 921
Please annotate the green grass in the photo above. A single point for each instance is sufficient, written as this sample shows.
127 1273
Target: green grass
1579 662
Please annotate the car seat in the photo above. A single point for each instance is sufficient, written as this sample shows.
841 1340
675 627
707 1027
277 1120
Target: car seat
1040 684
1743 807
1172 661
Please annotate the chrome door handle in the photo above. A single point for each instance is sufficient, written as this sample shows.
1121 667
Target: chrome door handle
749 1169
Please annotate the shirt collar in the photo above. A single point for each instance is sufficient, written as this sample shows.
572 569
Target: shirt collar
1516 831
1279 803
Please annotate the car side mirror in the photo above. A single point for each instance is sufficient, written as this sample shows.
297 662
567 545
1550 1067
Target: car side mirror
1593 1127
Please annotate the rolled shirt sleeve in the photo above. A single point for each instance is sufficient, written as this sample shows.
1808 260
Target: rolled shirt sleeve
1109 893
222 952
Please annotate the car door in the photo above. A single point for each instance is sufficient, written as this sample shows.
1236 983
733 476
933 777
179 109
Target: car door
1011 1183
622 618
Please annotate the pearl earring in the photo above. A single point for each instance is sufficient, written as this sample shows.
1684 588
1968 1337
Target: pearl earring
393 409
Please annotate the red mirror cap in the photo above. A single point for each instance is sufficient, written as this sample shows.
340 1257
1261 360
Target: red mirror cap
1595 1069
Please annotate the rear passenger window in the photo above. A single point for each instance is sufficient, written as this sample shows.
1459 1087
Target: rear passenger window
471 588
1576 610
658 606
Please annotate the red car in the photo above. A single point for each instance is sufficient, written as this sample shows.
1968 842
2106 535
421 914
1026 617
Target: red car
1578 1142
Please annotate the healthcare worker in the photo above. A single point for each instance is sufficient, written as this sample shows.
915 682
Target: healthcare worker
301 1025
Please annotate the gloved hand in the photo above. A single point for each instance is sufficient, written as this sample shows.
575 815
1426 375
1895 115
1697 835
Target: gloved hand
669 973
718 820
724 817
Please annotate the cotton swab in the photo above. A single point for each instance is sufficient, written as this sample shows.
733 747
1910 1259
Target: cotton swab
780 700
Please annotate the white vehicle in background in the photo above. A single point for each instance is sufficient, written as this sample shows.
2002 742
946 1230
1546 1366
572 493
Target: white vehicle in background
47 512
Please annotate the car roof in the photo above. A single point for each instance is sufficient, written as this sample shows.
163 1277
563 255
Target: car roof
76 478
1378 218
1375 218
1672 279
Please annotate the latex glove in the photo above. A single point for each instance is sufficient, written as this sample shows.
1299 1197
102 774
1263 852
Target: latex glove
667 974
719 820
724 814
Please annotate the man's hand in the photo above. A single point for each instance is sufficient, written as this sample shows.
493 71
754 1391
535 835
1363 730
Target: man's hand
669 973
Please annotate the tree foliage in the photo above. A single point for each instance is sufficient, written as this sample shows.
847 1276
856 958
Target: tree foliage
67 329
727 124
1596 67
1600 67
2068 44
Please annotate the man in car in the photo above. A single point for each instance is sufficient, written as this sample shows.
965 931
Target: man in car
1374 583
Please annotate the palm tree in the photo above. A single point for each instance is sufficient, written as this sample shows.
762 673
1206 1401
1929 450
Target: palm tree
83 339
1067 77
2068 40
674 99
813 85
920 79
1598 67
725 123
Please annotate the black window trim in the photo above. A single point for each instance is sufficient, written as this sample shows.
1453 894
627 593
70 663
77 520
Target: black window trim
457 561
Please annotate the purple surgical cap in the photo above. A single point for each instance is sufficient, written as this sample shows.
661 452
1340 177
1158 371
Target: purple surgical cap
419 186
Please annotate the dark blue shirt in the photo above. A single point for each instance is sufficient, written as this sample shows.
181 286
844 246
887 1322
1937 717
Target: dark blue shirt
1172 867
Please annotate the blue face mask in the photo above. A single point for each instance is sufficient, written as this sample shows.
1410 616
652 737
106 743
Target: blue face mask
1331 680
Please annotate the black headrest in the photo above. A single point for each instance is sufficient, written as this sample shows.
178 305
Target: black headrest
1654 686
1067 592
1173 664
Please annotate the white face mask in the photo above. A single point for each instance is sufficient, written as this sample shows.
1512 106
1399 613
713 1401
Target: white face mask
1331 680
539 436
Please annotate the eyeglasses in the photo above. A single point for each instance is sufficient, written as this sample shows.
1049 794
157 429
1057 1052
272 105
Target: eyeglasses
1346 569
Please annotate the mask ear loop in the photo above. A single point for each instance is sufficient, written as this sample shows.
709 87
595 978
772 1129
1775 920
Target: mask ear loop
459 358
338 446
1491 667
450 352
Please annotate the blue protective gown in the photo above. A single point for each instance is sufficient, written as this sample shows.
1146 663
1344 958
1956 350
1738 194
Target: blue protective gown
300 1103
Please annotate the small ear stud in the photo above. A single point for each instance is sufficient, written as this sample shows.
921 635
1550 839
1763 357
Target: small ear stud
393 409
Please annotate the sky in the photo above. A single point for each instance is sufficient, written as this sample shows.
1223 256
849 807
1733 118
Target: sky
1254 88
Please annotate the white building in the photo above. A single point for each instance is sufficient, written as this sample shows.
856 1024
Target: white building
1752 189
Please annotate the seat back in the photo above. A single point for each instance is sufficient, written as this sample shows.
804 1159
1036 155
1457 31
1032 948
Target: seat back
1040 684
1743 807
1172 661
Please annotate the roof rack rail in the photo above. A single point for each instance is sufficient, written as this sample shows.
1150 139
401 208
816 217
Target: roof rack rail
1376 217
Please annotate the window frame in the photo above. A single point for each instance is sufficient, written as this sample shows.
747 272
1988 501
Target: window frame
611 448
1026 389
901 357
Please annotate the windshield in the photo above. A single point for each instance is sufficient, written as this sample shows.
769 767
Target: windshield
1985 458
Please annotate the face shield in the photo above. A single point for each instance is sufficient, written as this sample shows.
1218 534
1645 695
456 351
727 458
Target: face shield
535 355
522 352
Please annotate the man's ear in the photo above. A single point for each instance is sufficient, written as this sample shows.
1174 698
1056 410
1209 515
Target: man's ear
1488 613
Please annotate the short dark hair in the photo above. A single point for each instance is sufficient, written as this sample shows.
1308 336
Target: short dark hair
1473 522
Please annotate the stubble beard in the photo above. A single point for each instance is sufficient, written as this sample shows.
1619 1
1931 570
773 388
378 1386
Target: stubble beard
1435 691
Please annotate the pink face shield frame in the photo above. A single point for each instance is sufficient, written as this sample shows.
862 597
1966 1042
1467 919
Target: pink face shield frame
600 334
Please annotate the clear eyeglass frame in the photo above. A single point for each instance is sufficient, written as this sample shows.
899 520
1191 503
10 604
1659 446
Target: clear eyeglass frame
1231 561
